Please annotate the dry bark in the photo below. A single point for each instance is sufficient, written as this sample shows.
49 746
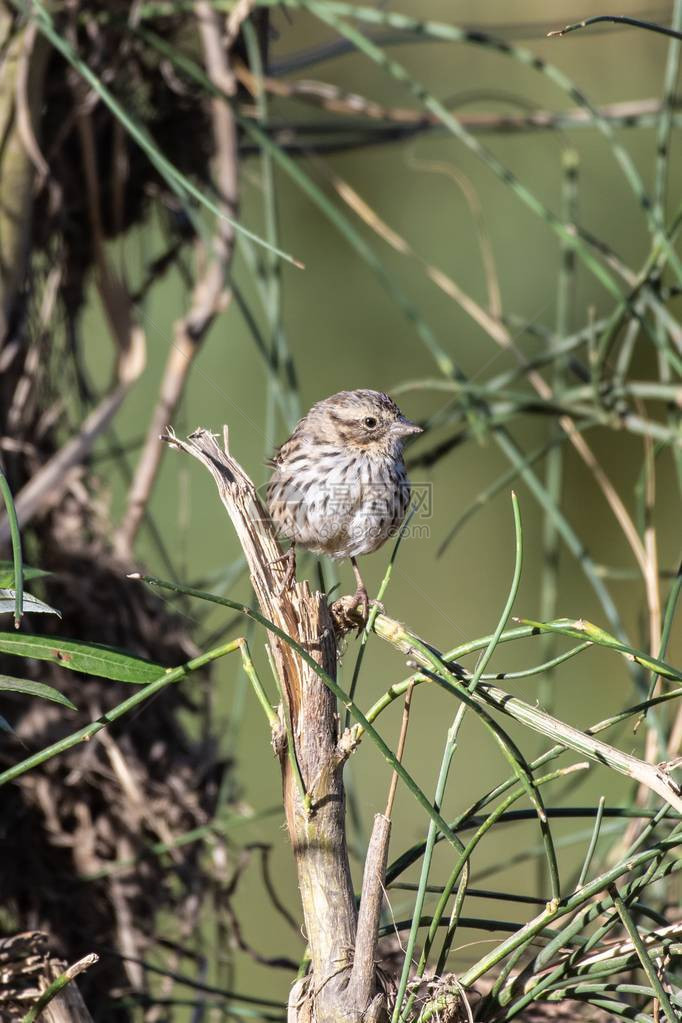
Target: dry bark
340 985
211 292
26 971
21 78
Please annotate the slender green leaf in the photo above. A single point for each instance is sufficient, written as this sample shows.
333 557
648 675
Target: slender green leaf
15 535
28 687
131 703
331 684
8 603
582 629
90 658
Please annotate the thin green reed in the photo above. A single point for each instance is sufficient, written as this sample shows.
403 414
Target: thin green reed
15 537
329 11
643 955
582 877
582 242
386 752
554 463
448 753
509 447
663 141
535 979
662 246
665 119
568 906
411 855
326 13
374 609
272 290
442 359
565 315
502 438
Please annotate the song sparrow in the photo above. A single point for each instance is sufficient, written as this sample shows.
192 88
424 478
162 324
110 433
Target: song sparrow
339 485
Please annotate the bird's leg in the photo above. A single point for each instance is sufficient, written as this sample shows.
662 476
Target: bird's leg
288 559
360 597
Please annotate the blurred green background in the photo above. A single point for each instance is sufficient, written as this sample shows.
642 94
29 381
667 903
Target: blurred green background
344 331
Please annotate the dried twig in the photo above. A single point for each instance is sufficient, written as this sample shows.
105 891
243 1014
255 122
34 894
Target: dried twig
126 332
25 68
210 296
334 99
362 984
22 83
51 481
501 335
56 988
400 749
35 986
618 19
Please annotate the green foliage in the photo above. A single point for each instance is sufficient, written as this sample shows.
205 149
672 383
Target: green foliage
604 937
30 688
90 658
7 574
8 603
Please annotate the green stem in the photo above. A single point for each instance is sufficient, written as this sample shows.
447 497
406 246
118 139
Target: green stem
305 797
496 815
331 684
373 612
57 985
257 686
143 694
15 536
411 855
553 912
643 955
399 688
593 843
448 753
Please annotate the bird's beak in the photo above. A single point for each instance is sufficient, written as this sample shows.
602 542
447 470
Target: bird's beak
404 428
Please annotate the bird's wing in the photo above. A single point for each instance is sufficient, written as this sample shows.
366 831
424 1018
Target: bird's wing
281 453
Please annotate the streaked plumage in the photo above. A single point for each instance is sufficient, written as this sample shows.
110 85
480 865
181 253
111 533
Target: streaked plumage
339 485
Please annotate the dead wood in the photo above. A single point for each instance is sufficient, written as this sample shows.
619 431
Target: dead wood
316 822
26 972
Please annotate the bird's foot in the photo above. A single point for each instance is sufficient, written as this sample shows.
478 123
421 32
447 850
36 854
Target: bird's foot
288 561
359 605
350 613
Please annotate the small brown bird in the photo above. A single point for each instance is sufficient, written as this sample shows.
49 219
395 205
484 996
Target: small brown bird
339 485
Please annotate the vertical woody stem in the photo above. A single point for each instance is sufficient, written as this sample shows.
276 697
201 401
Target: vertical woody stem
316 820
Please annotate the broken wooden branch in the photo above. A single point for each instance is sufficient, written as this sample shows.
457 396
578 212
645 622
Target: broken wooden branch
343 983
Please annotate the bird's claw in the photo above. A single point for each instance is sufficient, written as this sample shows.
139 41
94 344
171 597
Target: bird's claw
350 613
359 606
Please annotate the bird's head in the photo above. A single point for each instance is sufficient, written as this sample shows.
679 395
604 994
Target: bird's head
366 420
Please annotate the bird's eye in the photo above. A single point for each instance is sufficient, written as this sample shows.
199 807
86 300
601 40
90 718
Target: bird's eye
370 422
